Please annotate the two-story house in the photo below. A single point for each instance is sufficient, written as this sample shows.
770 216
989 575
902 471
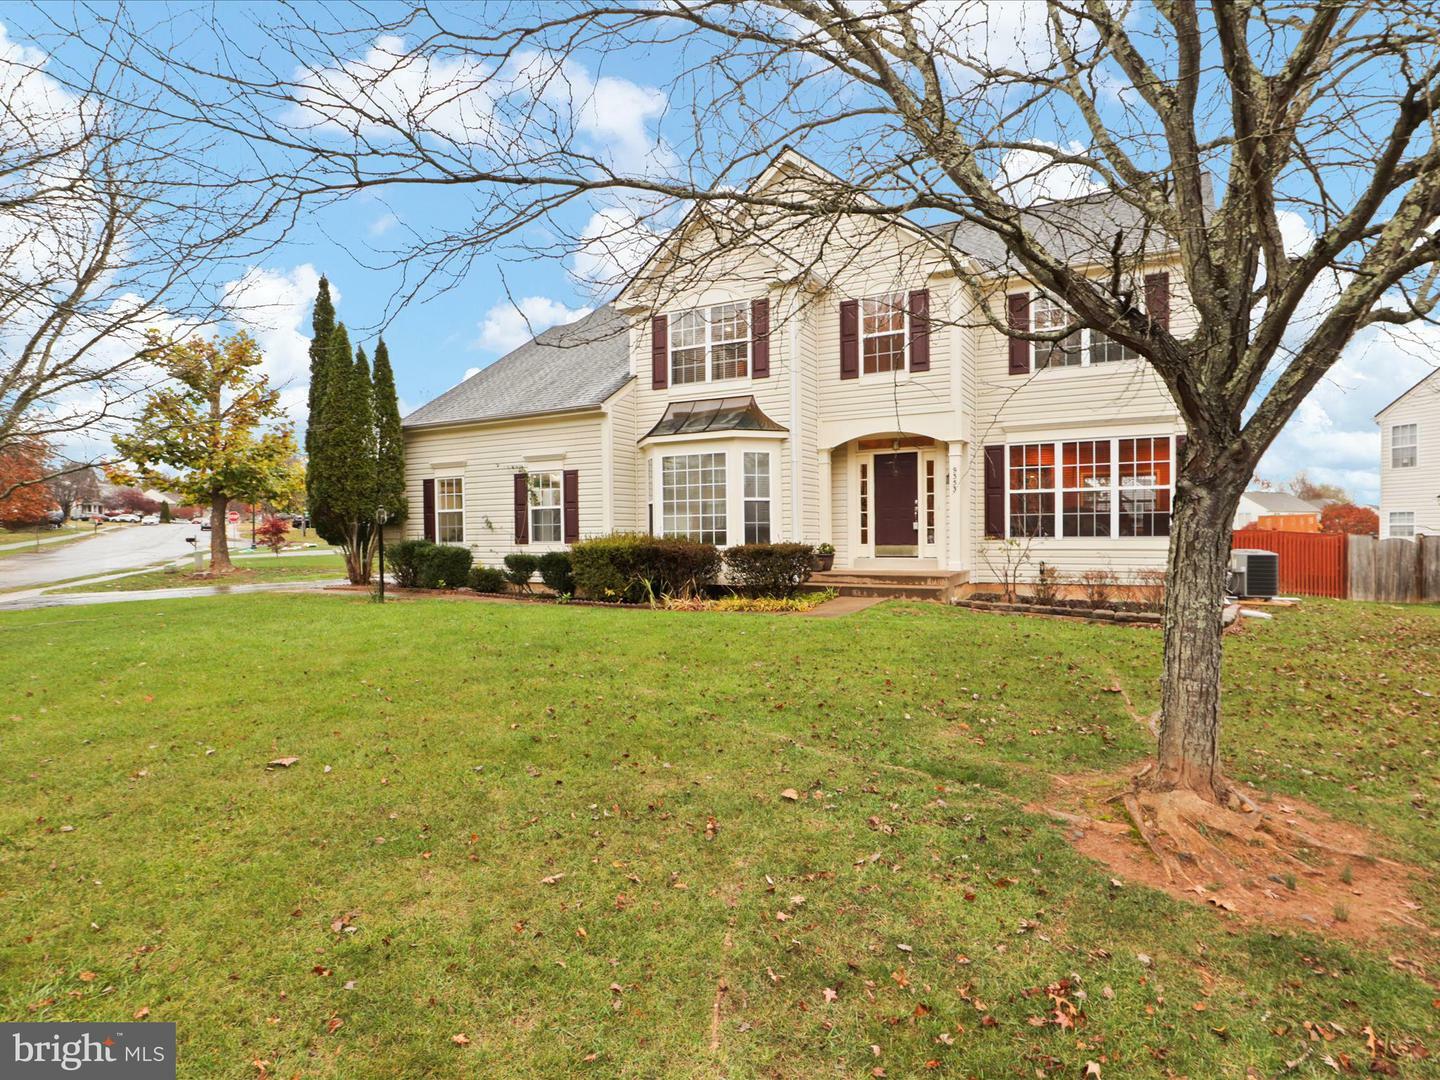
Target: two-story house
1410 461
851 384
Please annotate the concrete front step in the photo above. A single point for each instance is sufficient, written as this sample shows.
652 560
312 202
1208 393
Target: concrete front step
910 584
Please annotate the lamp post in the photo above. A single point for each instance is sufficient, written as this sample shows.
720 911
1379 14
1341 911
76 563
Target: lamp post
381 516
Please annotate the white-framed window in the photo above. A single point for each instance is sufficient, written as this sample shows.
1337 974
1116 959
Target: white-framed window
1404 446
693 497
882 334
544 500
1083 348
1116 487
1402 523
450 509
757 497
710 343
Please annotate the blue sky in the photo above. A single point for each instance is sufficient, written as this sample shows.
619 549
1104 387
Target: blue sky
501 299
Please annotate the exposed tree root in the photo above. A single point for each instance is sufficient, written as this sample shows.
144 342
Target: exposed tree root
1236 854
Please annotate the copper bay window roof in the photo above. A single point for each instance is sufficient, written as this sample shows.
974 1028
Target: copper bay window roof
712 415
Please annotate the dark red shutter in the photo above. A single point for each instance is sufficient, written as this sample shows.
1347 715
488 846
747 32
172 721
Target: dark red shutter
995 492
427 503
760 338
1017 317
1157 298
849 339
522 509
1179 457
920 330
571 499
659 352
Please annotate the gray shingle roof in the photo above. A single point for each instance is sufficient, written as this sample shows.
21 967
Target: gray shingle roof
1281 502
566 367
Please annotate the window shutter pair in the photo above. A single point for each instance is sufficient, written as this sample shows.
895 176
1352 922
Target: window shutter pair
918 316
759 345
569 502
995 492
427 501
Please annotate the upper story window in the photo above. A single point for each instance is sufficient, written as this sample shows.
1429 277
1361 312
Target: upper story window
1404 446
1083 348
450 510
882 334
710 343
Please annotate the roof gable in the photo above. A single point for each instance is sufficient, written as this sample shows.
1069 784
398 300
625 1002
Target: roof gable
1421 382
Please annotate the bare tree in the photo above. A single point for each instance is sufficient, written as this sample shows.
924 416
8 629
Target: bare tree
71 486
113 220
1284 152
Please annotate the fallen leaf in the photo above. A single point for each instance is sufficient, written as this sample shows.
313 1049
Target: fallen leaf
830 995
1092 1069
790 795
552 879
281 762
87 976
461 1039
142 1012
334 1024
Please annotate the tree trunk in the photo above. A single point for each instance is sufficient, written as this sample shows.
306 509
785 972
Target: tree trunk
1189 751
219 545
357 554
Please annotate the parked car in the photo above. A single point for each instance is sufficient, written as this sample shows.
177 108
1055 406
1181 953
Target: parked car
300 521
150 519
128 518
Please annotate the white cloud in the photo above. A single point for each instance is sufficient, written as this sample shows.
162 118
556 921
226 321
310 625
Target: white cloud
275 307
614 244
1027 177
383 224
508 325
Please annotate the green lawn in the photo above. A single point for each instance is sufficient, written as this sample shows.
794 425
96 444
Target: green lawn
249 570
76 530
559 832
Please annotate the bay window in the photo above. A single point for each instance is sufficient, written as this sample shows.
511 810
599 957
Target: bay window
693 498
1119 487
710 343
450 510
757 498
544 503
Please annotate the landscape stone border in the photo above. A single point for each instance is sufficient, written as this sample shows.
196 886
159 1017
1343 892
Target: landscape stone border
1096 615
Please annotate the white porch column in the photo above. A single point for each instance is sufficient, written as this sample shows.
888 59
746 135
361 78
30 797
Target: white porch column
827 521
957 516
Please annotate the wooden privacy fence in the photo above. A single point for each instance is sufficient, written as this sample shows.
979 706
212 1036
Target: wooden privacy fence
1311 564
1355 567
1397 571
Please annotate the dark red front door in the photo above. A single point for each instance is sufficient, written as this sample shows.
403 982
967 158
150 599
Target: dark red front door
896 504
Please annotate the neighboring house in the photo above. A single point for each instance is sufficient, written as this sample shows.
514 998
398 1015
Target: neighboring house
1410 461
849 392
1278 511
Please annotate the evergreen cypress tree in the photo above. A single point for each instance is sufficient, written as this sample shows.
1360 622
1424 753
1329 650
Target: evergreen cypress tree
329 441
322 324
389 442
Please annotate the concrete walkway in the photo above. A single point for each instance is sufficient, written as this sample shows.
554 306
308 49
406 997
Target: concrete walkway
32 601
843 605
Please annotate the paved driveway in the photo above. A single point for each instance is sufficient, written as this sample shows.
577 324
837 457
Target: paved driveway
121 549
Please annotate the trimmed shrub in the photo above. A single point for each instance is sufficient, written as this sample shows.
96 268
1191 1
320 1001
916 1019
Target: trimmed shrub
445 566
520 567
487 579
403 561
556 573
1045 590
638 568
769 569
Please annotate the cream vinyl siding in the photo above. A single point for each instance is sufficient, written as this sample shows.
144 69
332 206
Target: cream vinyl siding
1125 398
1417 489
488 456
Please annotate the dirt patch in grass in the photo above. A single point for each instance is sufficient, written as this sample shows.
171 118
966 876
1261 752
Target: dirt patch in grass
1320 874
